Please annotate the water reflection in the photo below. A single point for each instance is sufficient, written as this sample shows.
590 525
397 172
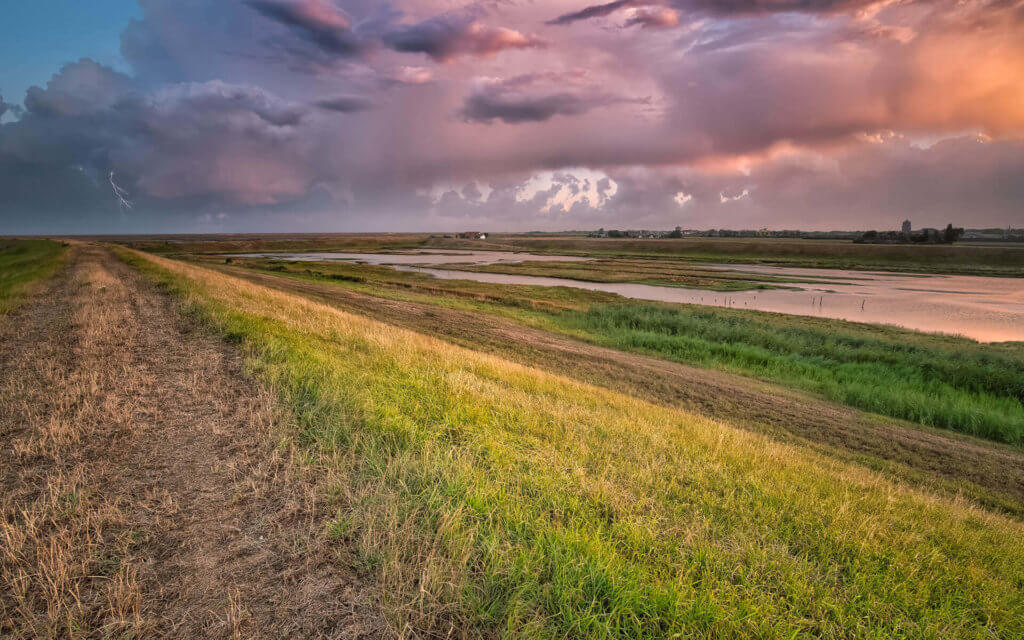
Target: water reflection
985 309
426 256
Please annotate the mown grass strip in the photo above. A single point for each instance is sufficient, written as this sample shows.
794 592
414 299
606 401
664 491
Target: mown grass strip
490 499
23 262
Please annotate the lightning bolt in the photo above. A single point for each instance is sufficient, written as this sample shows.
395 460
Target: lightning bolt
122 196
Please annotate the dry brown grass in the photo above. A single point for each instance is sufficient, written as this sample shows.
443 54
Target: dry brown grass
143 495
65 548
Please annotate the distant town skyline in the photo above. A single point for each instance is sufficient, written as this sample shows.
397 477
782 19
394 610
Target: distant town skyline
437 116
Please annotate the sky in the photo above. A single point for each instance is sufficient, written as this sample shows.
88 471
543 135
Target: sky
37 38
189 116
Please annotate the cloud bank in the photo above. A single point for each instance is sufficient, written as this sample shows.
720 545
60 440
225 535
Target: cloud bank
428 115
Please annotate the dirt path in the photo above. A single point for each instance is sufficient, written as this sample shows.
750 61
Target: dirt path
141 494
991 473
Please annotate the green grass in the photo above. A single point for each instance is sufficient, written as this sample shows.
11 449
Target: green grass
23 262
486 499
959 385
941 381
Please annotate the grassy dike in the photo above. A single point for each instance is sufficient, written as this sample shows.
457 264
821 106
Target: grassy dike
22 263
940 381
489 499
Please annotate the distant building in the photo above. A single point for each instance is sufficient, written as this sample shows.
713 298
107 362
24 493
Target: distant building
473 235
927 235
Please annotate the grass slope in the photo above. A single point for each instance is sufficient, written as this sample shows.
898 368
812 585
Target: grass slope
489 499
962 386
941 381
23 262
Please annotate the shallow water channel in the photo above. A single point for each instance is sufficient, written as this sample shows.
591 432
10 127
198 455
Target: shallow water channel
982 308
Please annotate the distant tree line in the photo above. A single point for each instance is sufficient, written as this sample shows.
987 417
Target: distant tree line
948 235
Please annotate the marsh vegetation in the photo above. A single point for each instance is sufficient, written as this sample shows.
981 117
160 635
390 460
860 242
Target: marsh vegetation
951 384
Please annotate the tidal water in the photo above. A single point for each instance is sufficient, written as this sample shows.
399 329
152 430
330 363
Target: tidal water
982 308
427 256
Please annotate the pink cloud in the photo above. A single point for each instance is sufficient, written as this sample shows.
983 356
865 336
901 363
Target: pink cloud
654 18
446 37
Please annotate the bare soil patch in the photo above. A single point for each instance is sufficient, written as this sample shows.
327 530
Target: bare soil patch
142 495
951 461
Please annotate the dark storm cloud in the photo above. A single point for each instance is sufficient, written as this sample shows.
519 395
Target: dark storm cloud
447 36
6 107
727 7
319 21
594 11
531 98
79 87
222 100
792 106
443 37
345 104
486 106
721 8
232 143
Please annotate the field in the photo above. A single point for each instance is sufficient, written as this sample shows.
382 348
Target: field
395 456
